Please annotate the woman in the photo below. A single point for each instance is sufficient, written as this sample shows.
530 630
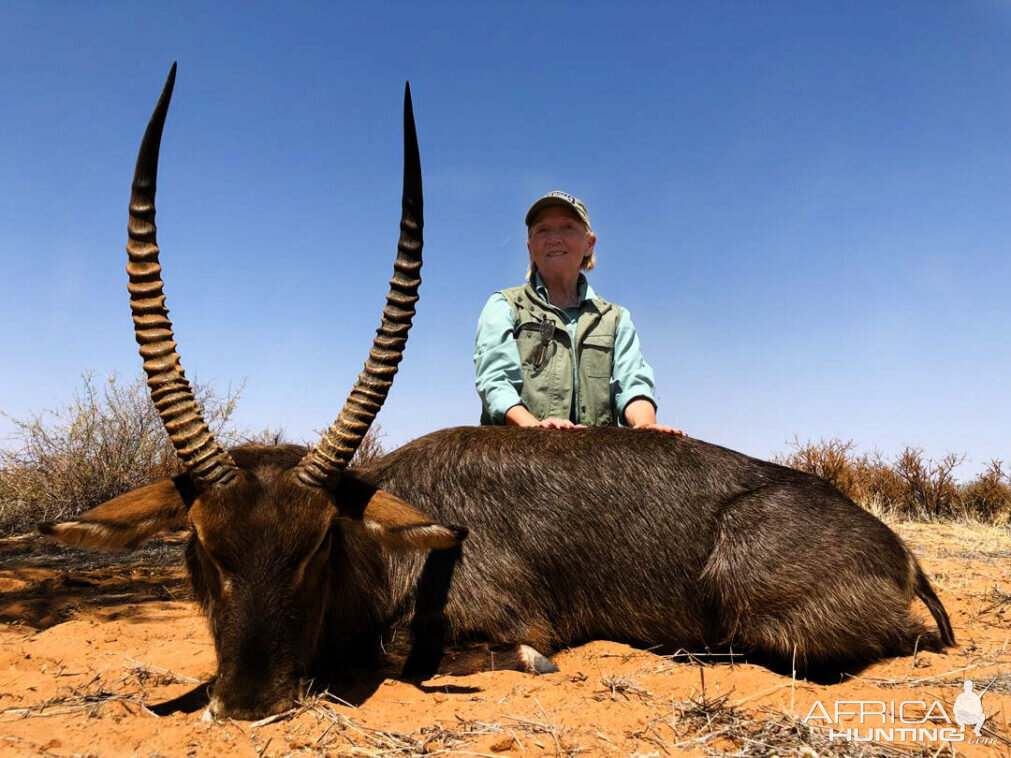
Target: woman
553 354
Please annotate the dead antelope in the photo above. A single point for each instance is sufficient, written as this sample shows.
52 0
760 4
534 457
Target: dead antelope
305 565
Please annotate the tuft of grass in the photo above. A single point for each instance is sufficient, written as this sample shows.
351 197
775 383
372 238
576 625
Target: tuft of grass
624 686
144 675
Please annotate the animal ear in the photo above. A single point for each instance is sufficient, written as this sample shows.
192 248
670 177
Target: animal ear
395 523
126 521
399 525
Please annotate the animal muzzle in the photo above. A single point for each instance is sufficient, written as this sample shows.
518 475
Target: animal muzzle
252 703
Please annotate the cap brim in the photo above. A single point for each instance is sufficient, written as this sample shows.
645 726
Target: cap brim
547 202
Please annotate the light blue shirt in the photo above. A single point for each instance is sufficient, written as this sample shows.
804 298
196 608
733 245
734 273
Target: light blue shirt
499 371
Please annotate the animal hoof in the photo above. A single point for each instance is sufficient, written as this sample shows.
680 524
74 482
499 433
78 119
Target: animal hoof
535 662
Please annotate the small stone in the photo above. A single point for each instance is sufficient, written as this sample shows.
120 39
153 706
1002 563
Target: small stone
506 743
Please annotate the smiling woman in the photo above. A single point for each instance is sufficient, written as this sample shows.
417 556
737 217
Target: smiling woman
552 353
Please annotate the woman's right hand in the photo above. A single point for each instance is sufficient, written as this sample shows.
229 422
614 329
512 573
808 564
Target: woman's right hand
558 423
518 415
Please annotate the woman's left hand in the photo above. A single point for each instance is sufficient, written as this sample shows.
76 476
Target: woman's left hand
640 413
662 428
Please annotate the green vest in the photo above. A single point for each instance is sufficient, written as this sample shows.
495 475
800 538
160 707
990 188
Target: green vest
546 355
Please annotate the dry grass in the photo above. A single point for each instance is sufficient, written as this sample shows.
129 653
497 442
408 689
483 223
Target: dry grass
714 726
89 698
908 486
707 725
320 724
623 686
144 675
106 441
994 609
335 732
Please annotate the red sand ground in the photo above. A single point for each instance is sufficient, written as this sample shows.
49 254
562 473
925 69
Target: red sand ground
87 644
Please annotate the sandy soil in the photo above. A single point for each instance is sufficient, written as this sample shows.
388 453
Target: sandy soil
91 647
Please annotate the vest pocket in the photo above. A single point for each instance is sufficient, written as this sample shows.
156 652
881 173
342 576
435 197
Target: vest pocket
596 356
528 342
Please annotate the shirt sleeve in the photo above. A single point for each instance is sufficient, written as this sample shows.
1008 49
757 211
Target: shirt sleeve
498 373
631 376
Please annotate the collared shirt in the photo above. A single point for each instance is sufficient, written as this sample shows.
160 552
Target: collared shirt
499 371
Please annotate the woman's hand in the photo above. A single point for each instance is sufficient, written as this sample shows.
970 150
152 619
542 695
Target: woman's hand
662 428
641 414
518 415
558 423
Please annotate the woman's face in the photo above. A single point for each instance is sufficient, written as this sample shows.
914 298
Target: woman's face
558 242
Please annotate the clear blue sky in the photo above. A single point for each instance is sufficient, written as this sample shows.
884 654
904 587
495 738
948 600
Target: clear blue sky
806 205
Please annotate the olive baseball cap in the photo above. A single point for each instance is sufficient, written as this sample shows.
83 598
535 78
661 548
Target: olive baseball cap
563 199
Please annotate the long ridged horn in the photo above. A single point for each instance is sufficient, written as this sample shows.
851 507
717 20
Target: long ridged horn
325 462
205 460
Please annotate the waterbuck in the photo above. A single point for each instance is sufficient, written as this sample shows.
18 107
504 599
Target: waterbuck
490 546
